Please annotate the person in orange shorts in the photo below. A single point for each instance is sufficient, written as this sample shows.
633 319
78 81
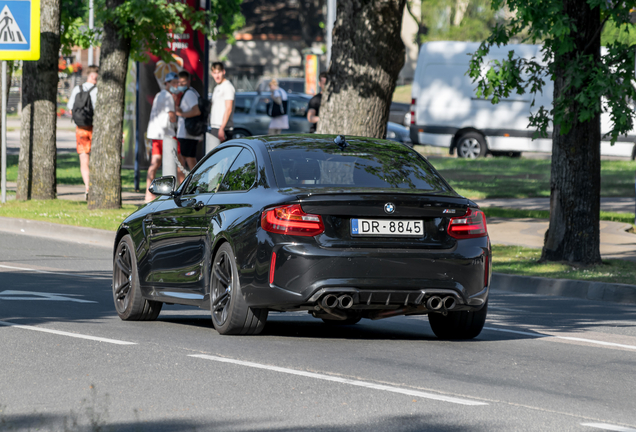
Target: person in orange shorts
83 117
163 121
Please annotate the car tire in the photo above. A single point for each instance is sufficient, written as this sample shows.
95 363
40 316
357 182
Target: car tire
129 303
471 145
634 152
230 313
458 325
240 133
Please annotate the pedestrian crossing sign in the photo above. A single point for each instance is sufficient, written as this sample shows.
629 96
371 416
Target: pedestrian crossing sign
19 29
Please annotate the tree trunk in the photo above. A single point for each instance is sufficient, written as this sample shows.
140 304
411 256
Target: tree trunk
367 56
37 161
575 184
105 162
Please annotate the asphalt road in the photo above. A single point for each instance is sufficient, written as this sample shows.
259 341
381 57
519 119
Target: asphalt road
69 363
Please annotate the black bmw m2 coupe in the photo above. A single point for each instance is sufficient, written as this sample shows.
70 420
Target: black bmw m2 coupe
344 228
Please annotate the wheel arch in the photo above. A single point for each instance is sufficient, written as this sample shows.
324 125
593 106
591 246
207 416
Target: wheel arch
461 132
123 231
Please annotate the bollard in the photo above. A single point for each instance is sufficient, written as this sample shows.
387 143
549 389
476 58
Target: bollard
169 164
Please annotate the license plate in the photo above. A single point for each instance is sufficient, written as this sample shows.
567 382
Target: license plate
387 227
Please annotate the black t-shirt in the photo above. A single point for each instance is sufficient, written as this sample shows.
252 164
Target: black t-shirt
314 104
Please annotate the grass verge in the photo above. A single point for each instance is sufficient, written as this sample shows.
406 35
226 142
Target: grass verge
503 177
66 212
68 172
402 94
523 261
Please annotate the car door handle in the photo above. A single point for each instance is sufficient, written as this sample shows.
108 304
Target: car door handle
199 205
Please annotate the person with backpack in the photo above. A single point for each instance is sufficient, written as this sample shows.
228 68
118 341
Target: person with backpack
162 124
81 104
277 109
188 108
221 122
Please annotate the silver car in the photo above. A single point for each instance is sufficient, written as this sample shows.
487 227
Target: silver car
251 119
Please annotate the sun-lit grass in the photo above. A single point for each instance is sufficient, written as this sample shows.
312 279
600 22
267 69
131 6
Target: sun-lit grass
504 177
66 212
524 261
68 172
402 94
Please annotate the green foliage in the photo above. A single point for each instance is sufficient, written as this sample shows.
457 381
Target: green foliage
447 20
148 23
74 26
589 79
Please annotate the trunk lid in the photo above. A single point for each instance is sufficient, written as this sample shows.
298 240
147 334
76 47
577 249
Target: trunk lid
338 211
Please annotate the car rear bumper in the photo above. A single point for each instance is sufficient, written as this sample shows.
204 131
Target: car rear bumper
303 272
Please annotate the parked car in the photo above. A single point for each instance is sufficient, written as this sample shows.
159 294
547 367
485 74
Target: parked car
290 85
448 113
400 113
343 229
250 117
250 114
398 133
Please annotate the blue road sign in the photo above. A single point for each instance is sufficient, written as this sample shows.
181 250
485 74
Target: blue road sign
19 29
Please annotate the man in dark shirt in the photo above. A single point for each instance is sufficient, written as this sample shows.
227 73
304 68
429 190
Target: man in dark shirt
313 109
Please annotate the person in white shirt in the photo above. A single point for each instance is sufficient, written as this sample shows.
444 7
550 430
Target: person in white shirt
163 123
84 133
279 96
188 107
221 118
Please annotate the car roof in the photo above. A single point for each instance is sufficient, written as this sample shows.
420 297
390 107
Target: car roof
290 140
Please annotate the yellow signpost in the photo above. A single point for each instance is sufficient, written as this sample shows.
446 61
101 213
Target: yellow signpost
19 40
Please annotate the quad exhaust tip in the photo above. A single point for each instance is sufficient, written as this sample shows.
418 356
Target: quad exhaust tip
332 301
436 303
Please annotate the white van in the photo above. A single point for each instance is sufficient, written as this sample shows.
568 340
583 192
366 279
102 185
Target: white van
445 111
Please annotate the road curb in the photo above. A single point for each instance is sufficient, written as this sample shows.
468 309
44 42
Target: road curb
73 234
599 291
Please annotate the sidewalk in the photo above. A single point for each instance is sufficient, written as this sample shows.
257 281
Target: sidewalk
611 204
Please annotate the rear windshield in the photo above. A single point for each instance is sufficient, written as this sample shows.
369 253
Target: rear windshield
363 164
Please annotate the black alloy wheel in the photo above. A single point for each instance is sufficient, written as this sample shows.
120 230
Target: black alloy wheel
230 313
458 325
471 145
129 303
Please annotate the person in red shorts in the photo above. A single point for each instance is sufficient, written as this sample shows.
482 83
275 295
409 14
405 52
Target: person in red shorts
84 132
163 122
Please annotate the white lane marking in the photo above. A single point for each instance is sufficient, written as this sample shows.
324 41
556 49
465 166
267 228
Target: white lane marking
63 333
53 272
541 335
343 380
609 427
28 295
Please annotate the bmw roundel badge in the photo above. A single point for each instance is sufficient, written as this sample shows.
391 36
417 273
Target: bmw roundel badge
389 208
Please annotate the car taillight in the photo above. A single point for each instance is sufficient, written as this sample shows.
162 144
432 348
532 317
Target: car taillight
471 225
413 111
292 220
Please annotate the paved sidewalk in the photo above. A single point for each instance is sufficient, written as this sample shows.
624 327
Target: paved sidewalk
611 204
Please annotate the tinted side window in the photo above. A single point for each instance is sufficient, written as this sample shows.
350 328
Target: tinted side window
261 107
242 174
243 104
298 107
207 177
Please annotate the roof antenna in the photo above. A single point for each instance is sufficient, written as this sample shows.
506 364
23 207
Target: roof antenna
341 142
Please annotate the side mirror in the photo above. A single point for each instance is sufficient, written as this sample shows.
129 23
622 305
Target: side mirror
163 186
